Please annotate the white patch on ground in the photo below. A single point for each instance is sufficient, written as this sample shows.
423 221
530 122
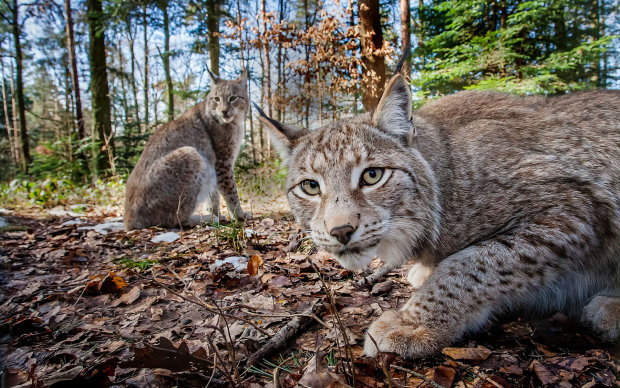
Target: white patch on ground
166 237
105 228
3 222
59 211
76 221
239 262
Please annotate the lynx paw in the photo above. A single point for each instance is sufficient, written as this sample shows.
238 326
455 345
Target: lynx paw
418 274
602 313
197 219
243 216
396 332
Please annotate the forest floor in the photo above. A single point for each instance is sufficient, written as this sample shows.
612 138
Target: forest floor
87 306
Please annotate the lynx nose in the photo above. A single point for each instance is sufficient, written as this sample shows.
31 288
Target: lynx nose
343 233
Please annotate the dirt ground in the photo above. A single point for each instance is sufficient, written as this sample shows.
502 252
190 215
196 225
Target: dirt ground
250 305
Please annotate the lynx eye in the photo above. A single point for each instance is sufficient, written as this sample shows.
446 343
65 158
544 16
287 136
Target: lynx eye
216 99
233 98
310 187
371 176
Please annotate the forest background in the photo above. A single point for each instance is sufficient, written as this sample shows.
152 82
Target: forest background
85 83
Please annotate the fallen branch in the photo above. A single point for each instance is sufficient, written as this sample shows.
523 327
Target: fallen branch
288 331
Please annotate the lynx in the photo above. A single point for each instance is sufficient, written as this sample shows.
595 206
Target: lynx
504 203
186 161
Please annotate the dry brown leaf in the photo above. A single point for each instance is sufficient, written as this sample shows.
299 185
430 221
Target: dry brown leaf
254 265
479 353
444 375
127 298
542 373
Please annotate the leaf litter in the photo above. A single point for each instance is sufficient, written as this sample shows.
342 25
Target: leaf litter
237 305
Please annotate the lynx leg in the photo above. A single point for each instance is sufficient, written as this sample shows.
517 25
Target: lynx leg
208 201
168 193
468 287
602 314
418 274
228 187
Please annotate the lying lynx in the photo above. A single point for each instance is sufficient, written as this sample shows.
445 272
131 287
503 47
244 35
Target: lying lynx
505 203
188 160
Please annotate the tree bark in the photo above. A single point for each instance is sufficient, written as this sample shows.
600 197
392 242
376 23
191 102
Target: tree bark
146 66
163 4
75 81
213 29
19 88
7 120
373 64
134 88
102 125
405 32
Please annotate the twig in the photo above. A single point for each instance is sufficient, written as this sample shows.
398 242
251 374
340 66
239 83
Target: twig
479 374
340 324
382 362
204 305
418 375
288 331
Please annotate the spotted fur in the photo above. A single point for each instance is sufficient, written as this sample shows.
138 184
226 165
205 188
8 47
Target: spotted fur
188 162
506 203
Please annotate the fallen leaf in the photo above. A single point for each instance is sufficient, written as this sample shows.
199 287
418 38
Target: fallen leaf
542 373
479 353
254 265
444 376
127 298
382 288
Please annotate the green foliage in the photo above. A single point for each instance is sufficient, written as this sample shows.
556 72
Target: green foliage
530 47
130 263
54 191
231 234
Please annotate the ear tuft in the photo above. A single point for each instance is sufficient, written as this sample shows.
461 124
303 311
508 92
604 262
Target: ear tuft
214 78
243 78
393 113
284 135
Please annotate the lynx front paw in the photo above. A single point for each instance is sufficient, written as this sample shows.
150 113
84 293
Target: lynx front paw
602 314
398 332
243 216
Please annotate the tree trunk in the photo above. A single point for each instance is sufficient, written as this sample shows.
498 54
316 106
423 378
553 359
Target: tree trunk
146 67
266 70
242 55
166 59
14 153
134 88
102 126
213 28
405 33
19 89
75 81
373 64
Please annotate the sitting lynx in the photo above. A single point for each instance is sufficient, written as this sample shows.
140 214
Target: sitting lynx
188 160
505 203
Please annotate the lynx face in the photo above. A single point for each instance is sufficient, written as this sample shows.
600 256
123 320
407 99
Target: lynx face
360 187
227 99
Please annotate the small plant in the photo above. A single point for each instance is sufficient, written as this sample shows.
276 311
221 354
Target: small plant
232 234
130 263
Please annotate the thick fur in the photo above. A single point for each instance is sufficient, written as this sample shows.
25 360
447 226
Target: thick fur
507 203
188 162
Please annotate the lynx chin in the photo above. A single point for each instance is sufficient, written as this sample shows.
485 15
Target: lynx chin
504 203
188 162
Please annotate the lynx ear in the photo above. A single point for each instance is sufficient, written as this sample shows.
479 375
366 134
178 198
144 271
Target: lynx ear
284 135
214 78
393 113
243 78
